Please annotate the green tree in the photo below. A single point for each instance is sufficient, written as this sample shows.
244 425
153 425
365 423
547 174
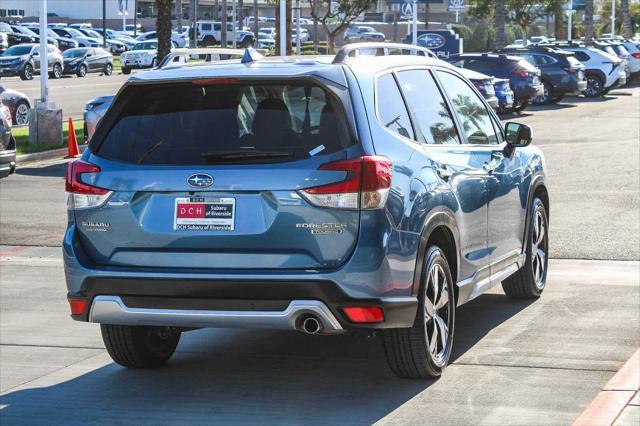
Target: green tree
525 12
336 19
163 27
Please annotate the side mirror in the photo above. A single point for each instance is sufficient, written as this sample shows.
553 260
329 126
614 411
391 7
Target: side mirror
518 135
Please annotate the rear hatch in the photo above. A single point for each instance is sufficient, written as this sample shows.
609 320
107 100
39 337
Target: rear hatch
208 174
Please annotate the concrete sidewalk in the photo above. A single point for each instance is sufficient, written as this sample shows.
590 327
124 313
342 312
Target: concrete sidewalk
514 362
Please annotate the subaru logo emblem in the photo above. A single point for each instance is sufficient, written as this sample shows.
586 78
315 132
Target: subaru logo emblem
200 180
434 41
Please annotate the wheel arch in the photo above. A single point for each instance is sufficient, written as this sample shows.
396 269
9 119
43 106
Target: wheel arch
597 73
440 229
538 189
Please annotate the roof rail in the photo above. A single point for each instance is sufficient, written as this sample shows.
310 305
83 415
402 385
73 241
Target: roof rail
211 54
346 51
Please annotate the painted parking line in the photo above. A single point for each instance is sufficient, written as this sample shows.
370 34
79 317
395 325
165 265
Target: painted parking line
617 394
13 250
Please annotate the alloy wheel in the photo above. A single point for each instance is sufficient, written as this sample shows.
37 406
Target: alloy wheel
593 87
22 115
28 72
108 69
545 97
82 71
437 315
539 250
57 71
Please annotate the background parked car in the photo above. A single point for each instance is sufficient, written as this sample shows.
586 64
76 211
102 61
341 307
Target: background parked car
93 111
118 36
35 37
523 77
18 104
561 72
502 88
12 38
177 39
7 143
623 52
603 71
82 39
265 41
116 47
24 60
143 55
64 43
209 33
362 33
129 29
83 60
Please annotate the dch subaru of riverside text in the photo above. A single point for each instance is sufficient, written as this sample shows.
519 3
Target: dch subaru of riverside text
375 190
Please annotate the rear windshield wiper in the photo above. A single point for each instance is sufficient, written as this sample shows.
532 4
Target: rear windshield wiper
243 155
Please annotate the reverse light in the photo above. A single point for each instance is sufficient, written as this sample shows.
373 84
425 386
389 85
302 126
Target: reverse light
365 187
77 306
364 314
80 195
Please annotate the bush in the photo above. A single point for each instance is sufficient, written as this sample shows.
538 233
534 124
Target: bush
481 37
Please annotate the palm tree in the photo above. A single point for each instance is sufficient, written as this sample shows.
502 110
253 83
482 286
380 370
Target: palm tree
163 27
588 22
499 17
626 19
223 26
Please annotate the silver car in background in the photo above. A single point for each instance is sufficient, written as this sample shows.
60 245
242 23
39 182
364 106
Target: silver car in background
93 112
7 143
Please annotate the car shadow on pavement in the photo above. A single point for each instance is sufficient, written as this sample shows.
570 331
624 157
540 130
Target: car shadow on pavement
54 170
244 377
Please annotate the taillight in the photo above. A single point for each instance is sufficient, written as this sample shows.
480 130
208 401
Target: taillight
365 187
6 113
569 70
364 313
81 195
77 306
522 73
636 55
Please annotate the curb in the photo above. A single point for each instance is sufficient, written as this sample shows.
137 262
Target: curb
46 155
615 396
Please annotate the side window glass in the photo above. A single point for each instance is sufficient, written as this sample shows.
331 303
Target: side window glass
429 108
392 111
471 110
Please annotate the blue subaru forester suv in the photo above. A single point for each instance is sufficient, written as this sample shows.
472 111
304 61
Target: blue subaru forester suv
372 190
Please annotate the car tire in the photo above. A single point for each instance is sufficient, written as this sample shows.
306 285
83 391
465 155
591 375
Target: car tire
520 106
556 99
209 41
595 87
126 70
140 346
21 113
82 71
530 280
57 71
108 69
546 97
27 72
420 352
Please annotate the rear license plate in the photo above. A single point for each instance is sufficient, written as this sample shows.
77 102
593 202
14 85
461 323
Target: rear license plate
204 214
509 99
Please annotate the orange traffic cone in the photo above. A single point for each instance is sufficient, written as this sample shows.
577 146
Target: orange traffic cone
71 142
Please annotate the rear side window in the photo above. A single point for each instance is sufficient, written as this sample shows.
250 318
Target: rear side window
581 56
429 108
392 111
206 27
472 112
481 66
213 124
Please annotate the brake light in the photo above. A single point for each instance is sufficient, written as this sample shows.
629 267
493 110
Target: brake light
522 73
636 55
81 195
364 313
365 187
214 81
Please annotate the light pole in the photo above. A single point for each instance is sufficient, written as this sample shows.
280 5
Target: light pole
283 28
44 62
414 30
298 47
569 20
613 18
233 18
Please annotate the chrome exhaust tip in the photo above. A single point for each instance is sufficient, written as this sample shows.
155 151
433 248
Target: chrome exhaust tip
311 325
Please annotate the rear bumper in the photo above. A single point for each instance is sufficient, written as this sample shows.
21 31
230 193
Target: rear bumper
231 304
7 162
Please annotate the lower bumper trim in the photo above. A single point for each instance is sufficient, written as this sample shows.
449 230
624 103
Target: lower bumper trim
112 310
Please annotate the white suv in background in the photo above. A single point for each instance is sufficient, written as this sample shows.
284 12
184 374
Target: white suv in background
603 71
210 33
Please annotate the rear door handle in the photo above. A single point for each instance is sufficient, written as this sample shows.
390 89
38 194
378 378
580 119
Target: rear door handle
444 172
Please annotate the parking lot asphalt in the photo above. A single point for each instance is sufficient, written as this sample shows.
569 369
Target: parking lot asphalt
70 92
592 150
514 362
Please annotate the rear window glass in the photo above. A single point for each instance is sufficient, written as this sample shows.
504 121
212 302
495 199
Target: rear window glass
526 65
213 124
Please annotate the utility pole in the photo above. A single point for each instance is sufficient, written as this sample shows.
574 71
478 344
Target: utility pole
282 31
135 18
179 15
104 24
44 56
613 18
569 20
234 32
298 47
414 30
